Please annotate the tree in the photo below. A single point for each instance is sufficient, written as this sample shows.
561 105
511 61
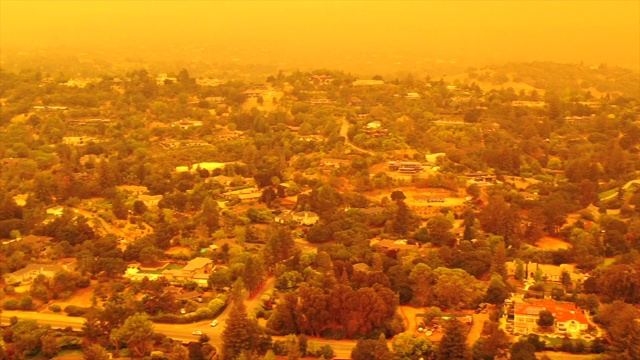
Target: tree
236 336
546 318
407 346
381 350
621 281
440 231
497 290
279 246
137 332
179 352
364 350
96 352
422 279
254 273
27 335
453 344
621 322
195 351
49 345
293 352
519 273
523 350
501 218
455 288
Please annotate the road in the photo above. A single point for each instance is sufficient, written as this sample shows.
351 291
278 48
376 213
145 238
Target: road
180 332
566 356
344 131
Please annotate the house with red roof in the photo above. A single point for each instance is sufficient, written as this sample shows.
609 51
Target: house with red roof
568 318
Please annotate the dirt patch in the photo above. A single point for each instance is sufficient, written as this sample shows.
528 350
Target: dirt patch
409 314
174 250
521 183
81 297
552 243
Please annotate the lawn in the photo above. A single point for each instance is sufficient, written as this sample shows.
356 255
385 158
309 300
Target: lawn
553 342
550 242
168 267
608 193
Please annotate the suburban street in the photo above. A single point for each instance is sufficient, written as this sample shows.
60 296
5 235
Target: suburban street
180 332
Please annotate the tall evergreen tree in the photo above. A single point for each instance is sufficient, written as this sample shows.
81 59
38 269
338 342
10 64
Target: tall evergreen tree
240 333
382 351
453 345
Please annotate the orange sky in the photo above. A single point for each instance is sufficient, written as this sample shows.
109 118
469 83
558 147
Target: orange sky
563 31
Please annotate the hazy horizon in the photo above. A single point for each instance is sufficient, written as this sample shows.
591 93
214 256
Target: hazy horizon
333 32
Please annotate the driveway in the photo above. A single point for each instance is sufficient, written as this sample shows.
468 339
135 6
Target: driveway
476 327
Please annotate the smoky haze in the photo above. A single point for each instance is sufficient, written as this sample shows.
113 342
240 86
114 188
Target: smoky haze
334 32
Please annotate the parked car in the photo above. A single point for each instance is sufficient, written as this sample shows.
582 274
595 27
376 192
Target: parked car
214 323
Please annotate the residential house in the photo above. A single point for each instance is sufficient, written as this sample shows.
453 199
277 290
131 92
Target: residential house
150 200
573 119
79 140
285 217
88 121
207 82
197 270
308 138
412 96
568 318
363 267
50 108
227 135
321 79
31 271
254 93
215 99
186 124
248 194
525 103
548 272
388 244
163 79
55 211
368 82
335 163
481 177
307 218
405 167
209 166
134 189
433 158
321 101
374 125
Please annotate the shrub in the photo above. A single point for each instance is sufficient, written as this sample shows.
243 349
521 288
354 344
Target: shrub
218 304
73 310
55 308
199 315
587 215
315 350
11 304
26 303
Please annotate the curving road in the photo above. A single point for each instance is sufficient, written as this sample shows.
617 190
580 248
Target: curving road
344 131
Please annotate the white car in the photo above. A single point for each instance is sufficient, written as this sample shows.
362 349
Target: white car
214 323
197 332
